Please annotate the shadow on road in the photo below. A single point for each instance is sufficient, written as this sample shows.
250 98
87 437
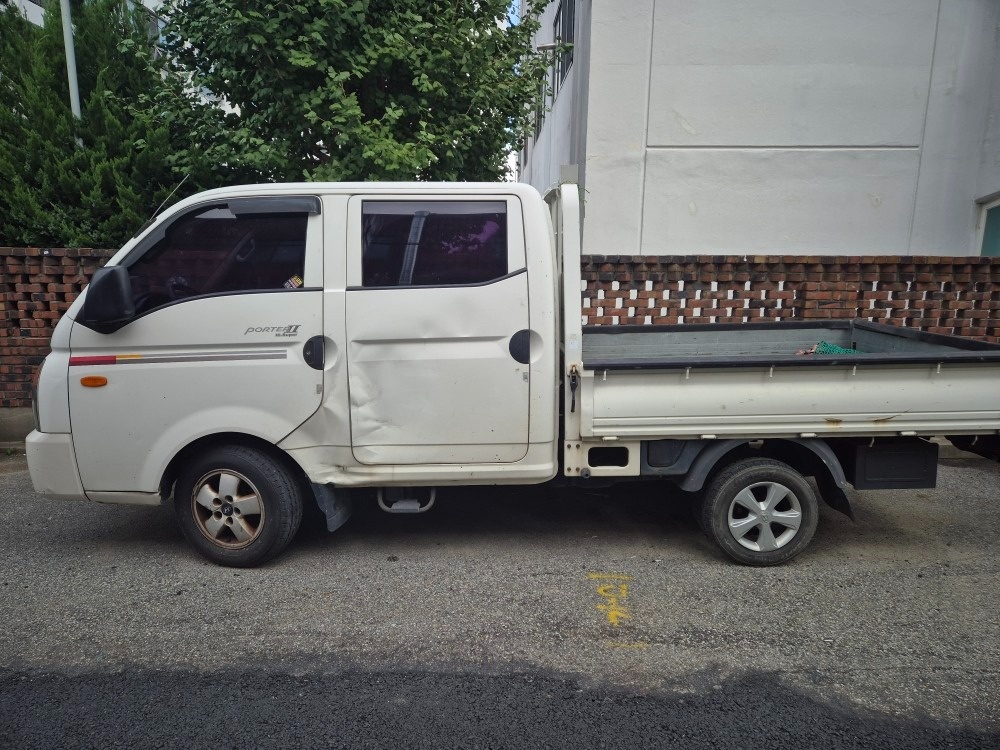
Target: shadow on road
494 515
891 524
361 709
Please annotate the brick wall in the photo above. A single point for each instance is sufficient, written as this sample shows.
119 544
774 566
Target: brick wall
936 294
36 286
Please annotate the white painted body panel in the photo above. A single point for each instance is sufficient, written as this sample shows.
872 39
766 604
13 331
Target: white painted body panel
174 392
430 373
52 464
835 401
231 363
431 377
420 387
324 465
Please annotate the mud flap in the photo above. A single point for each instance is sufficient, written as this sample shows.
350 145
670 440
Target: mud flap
835 496
335 503
987 446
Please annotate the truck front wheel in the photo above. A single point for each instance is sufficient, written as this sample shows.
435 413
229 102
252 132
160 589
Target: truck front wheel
237 505
760 511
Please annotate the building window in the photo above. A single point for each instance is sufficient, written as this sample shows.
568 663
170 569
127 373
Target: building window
990 229
564 32
541 105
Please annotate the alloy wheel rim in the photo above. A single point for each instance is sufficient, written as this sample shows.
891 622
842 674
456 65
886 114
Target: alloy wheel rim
764 516
227 509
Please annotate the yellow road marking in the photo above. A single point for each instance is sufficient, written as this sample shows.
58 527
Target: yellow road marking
614 608
614 595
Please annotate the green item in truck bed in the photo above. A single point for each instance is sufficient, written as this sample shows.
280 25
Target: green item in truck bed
825 347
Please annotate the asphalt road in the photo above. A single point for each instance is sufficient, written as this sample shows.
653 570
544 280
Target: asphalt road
488 622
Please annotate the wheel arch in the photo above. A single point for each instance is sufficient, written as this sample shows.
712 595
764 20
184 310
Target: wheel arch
810 457
170 474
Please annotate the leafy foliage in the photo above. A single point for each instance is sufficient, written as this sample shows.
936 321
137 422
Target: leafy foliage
87 182
248 91
348 89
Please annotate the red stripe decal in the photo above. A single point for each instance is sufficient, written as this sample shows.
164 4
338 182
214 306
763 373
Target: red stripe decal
91 360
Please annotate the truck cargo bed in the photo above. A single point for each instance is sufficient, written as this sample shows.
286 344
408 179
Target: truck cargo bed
751 380
726 345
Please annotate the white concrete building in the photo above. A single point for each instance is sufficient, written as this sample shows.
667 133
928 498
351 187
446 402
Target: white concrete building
847 127
33 10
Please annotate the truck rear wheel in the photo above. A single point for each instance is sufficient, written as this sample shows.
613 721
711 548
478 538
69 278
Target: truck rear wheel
237 505
760 511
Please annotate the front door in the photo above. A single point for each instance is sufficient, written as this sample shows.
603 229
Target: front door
437 321
227 294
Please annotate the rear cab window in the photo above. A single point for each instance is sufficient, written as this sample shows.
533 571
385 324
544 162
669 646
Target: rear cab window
433 243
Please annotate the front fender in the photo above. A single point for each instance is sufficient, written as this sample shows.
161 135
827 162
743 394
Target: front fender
242 420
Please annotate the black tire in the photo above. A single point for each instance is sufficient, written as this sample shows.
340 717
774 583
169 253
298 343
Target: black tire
783 522
238 506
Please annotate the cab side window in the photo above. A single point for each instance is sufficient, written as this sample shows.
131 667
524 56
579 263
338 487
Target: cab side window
212 250
433 243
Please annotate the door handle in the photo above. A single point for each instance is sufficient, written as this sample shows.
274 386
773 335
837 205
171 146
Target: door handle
520 346
313 352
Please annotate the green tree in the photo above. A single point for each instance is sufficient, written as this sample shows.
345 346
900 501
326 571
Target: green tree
87 182
349 89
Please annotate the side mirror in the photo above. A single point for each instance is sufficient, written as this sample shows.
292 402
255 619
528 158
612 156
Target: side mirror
108 305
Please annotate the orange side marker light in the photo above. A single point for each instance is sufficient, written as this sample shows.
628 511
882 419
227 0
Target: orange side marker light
93 381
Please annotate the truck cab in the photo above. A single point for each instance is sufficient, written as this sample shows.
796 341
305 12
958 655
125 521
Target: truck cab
378 335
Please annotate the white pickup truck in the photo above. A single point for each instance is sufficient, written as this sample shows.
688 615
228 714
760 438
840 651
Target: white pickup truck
261 347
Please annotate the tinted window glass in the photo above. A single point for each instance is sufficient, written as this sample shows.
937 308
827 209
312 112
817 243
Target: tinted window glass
420 243
212 251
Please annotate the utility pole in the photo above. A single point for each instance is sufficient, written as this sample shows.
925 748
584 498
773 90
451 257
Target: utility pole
67 29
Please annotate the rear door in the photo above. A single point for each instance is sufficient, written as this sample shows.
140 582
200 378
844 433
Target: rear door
227 294
437 319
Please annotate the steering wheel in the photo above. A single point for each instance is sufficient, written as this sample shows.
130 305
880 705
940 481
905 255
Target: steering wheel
178 288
